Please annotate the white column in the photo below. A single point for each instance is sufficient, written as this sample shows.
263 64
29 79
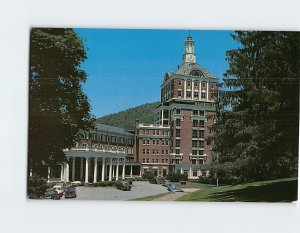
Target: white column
131 170
192 89
190 172
184 89
162 117
73 169
113 171
207 90
95 169
81 169
49 171
61 172
86 170
67 171
117 170
89 161
110 169
140 171
181 171
123 170
103 169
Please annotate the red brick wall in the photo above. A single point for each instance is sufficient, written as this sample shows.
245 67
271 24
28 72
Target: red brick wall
186 136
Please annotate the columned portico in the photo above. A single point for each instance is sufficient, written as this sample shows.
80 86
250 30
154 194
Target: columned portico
73 169
86 170
117 170
95 169
110 169
123 170
67 171
103 169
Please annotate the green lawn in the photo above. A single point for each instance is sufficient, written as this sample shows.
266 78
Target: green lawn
151 198
281 190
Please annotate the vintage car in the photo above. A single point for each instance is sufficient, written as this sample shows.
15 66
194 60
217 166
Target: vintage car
70 192
51 194
123 186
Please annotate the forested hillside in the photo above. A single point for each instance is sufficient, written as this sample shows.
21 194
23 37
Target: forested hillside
126 119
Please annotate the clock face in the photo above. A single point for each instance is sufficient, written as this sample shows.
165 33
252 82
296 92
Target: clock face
190 57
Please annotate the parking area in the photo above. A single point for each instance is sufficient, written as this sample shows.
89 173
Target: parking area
138 190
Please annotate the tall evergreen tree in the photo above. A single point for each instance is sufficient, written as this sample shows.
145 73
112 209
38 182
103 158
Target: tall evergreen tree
58 108
257 121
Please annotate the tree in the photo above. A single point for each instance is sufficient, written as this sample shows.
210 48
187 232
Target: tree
257 117
58 108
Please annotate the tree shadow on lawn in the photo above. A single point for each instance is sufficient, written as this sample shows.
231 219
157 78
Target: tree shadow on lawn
285 191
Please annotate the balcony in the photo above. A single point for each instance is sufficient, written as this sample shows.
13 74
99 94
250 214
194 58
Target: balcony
97 149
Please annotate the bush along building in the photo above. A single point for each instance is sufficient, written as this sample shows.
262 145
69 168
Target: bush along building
176 142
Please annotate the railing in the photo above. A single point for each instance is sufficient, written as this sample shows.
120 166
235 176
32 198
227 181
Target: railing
98 149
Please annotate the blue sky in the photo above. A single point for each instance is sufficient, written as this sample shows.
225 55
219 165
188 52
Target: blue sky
125 67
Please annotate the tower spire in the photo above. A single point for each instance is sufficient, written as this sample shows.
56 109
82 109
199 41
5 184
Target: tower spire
189 55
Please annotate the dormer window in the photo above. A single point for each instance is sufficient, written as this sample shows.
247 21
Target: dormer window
196 73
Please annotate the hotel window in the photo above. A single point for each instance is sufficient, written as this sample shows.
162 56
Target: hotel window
178 122
148 142
162 142
147 132
167 152
195 123
196 84
177 161
177 132
153 132
177 151
157 141
194 172
188 83
194 161
157 132
186 172
179 82
196 94
201 133
162 152
144 160
166 160
188 94
195 134
152 160
203 84
147 160
201 113
177 143
162 160
179 93
178 111
195 112
201 162
201 152
157 152
153 141
153 152
201 144
167 142
194 143
201 124
144 151
194 152
203 95
148 151
156 160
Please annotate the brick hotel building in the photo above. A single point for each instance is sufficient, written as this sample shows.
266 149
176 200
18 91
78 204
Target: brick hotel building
174 142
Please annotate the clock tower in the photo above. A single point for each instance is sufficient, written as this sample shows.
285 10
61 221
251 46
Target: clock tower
189 55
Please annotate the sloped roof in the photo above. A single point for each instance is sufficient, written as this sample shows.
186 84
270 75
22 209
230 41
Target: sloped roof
187 68
112 129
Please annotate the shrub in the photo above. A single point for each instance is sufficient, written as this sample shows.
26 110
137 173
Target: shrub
176 177
148 175
36 186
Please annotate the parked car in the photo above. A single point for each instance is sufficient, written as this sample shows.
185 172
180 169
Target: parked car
70 192
156 180
123 186
51 194
77 183
59 189
173 188
165 183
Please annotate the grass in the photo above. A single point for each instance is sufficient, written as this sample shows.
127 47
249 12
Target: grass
194 185
151 198
280 190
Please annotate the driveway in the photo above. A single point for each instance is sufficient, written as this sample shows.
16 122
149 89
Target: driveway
139 189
